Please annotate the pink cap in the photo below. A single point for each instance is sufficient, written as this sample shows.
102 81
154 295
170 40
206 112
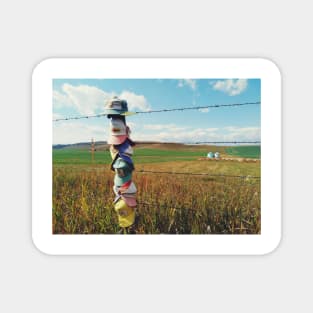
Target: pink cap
118 132
130 201
117 140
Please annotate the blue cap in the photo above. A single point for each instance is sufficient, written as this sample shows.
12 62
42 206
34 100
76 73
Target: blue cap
123 172
120 156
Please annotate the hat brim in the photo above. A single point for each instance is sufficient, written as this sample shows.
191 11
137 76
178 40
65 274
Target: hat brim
131 189
114 112
114 154
127 159
122 209
130 201
132 143
117 140
116 191
119 181
113 161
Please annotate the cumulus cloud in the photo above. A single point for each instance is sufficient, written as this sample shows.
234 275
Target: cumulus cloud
61 100
74 132
242 133
135 101
83 98
173 133
77 131
176 133
232 87
88 100
191 83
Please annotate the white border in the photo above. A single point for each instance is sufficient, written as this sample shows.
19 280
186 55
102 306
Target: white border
49 69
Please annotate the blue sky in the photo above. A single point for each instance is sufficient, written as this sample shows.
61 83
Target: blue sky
76 97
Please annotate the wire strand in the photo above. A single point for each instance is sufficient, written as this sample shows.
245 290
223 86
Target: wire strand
200 174
158 111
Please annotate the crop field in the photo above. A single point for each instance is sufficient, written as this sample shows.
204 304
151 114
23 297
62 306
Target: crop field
245 151
167 203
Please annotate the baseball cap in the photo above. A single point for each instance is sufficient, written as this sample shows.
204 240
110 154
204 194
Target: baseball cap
126 214
123 172
118 131
120 180
116 106
128 188
113 152
125 186
132 143
125 157
125 147
130 199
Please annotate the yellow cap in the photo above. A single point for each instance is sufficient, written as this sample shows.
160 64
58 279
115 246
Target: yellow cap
126 214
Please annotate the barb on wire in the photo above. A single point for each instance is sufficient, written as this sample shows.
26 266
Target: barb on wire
200 174
162 110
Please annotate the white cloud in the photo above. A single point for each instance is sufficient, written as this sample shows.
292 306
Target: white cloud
61 100
74 132
56 116
205 110
175 133
232 87
78 131
88 100
135 101
171 127
84 99
242 133
191 83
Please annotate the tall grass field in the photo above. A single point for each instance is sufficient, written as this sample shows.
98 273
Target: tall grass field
172 202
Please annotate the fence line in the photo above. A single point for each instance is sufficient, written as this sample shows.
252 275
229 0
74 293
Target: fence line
199 107
195 142
220 142
200 174
158 111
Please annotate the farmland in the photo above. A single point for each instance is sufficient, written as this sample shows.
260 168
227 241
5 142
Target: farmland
167 203
244 151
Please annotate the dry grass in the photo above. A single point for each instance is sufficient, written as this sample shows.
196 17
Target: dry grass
171 204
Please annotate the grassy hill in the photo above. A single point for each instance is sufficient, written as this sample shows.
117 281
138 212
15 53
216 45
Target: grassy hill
149 153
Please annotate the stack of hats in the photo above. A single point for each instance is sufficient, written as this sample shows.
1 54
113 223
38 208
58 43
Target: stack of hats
122 164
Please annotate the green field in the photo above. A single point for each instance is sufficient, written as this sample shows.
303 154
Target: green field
245 151
141 155
153 155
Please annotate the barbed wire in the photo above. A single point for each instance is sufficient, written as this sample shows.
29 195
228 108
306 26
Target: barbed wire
193 142
199 107
232 142
158 111
168 143
200 174
247 177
